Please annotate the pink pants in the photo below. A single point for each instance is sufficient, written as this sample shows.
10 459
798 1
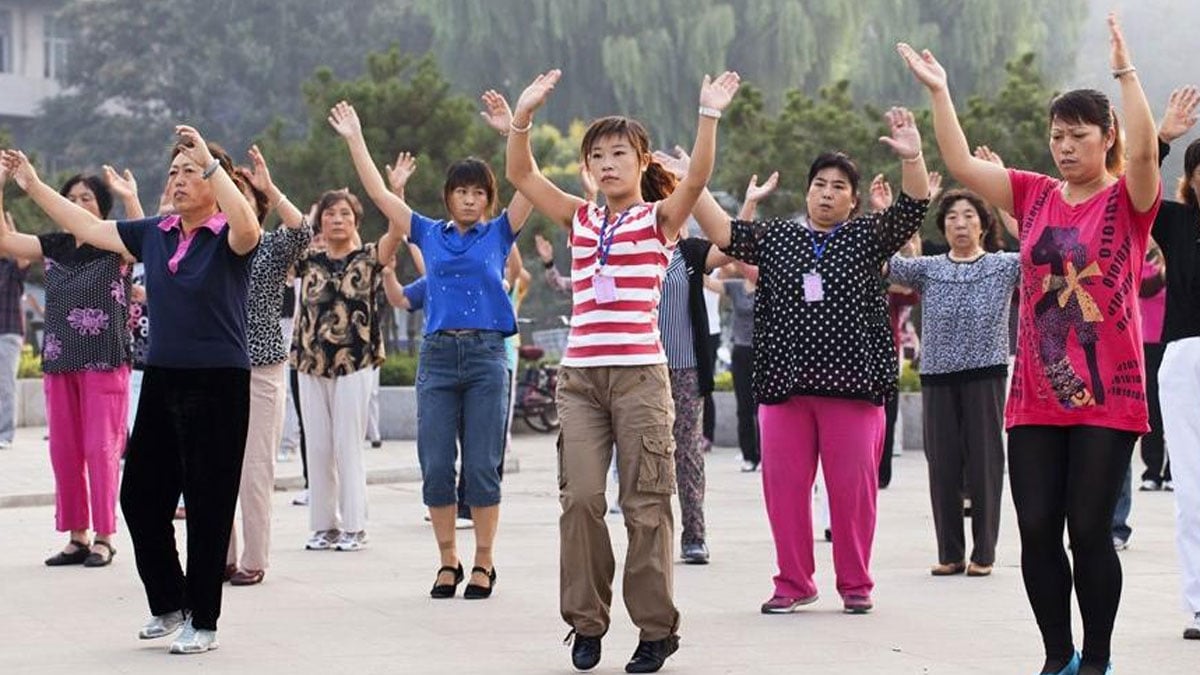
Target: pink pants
846 436
87 412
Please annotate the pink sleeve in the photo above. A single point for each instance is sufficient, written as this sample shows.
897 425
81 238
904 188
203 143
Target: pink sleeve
1141 222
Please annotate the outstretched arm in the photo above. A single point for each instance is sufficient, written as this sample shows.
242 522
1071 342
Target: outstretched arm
260 177
1010 224
1141 136
755 193
392 288
715 95
344 120
24 248
519 165
74 219
988 180
125 187
244 231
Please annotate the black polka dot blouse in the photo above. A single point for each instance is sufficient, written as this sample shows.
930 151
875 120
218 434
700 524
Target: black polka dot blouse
840 345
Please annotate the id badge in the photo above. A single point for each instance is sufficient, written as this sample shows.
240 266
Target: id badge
813 290
605 288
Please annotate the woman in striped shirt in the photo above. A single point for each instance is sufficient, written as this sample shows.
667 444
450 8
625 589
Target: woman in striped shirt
614 383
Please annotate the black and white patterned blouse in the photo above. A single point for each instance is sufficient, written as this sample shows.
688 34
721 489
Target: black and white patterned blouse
139 320
87 316
337 328
840 346
278 251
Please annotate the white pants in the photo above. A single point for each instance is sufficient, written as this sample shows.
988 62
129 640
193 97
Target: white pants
289 443
1179 391
267 398
335 419
373 408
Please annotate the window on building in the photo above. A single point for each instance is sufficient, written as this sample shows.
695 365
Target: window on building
56 44
6 40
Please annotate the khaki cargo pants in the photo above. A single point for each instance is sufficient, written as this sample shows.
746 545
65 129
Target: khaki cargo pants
632 406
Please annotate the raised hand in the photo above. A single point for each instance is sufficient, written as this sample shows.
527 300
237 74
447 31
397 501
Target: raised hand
123 185
935 185
344 120
904 140
545 249
193 145
19 168
588 181
1119 55
259 175
4 172
756 193
717 93
1180 115
165 206
881 194
399 173
535 95
988 155
496 112
677 162
924 67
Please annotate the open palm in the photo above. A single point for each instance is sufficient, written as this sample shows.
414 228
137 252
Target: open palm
905 139
717 93
756 193
924 67
537 92
496 112
344 120
399 173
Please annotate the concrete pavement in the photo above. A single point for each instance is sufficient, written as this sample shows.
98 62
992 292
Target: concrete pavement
369 612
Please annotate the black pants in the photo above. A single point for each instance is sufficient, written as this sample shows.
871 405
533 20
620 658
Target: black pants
189 438
294 383
1069 475
709 423
891 411
747 410
1158 467
964 423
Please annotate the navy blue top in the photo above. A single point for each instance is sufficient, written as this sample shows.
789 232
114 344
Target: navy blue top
200 309
466 274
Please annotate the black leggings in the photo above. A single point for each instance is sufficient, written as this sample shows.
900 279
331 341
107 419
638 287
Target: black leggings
1072 475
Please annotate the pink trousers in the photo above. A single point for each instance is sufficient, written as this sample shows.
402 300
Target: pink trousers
86 413
846 436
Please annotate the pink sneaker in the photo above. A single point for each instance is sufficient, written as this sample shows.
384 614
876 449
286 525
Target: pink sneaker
779 604
857 604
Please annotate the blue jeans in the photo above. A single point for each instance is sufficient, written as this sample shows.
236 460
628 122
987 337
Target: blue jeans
462 381
1120 526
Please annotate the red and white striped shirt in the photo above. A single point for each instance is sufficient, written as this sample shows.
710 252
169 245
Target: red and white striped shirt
623 332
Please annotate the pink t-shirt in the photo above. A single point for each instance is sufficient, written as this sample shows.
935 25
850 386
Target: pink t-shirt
1154 308
1079 351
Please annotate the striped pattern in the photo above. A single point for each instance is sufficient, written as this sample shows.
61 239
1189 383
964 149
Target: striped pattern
675 316
624 332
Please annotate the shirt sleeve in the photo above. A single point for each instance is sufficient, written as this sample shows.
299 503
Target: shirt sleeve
744 239
1141 222
415 293
908 272
896 224
54 244
289 243
133 233
419 228
1026 186
504 226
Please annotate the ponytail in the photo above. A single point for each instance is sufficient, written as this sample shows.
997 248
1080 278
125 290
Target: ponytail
657 182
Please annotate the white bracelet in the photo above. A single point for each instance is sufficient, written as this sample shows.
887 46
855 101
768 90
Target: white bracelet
912 160
211 169
706 111
1118 72
520 130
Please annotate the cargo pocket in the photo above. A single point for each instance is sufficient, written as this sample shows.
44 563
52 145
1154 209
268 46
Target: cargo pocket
558 446
656 464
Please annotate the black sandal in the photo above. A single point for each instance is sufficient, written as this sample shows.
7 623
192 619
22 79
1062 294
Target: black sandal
75 557
477 592
443 591
100 559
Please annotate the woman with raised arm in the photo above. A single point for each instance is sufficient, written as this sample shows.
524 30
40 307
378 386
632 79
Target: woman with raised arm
277 253
1179 377
614 382
85 358
1078 401
824 360
194 410
462 378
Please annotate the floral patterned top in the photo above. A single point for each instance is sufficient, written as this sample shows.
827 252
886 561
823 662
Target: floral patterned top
87 315
337 328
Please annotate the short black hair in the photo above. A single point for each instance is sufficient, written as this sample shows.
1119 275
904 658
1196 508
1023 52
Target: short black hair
104 198
989 231
1191 160
1089 106
471 172
840 161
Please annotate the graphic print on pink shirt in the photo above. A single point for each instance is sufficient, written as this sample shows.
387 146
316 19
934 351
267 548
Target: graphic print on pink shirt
1079 356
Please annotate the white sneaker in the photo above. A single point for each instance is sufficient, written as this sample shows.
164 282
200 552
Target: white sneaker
749 467
351 541
322 540
1120 544
194 640
1169 486
1192 632
162 625
5 445
1149 485
301 499
464 524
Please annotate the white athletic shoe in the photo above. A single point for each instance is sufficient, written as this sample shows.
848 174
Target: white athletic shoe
162 625
1120 544
322 540
1192 632
194 640
352 541
464 524
301 499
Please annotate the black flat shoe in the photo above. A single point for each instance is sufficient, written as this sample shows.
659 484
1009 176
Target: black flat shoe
651 654
477 592
76 557
100 559
442 591
585 652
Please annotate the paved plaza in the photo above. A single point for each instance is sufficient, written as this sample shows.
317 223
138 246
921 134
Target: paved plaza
370 612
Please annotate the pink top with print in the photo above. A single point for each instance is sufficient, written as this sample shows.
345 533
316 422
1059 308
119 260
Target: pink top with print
1079 350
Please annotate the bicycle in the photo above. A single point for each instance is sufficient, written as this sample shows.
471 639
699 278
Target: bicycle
535 391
